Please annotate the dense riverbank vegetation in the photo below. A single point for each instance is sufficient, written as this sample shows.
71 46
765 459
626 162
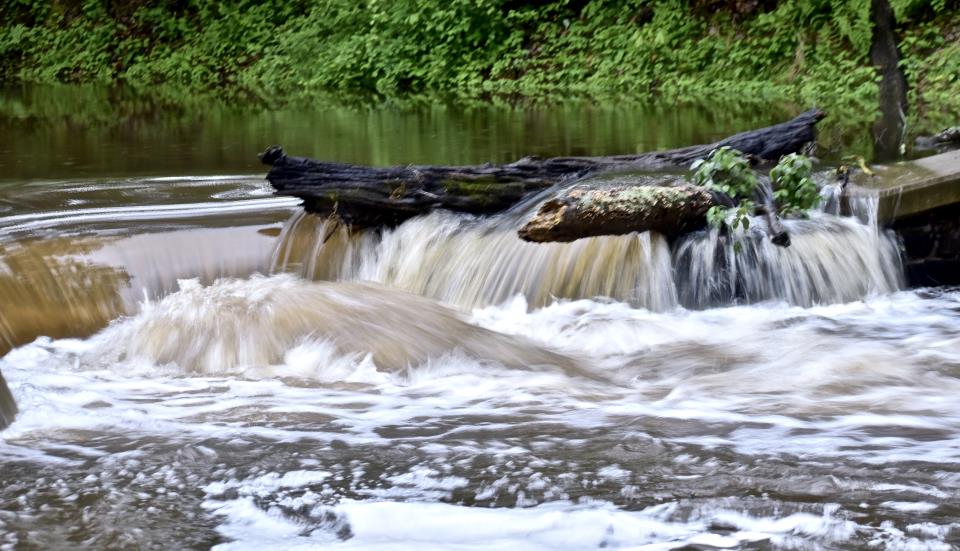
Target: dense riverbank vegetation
280 51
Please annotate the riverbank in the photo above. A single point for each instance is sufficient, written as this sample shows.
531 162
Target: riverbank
289 53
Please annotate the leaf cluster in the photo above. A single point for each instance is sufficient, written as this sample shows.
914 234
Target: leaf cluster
726 170
795 191
733 217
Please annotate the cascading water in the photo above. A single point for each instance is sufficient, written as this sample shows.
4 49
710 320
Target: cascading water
830 260
177 397
471 262
244 326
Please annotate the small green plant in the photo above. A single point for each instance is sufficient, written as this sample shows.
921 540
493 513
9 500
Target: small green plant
795 191
716 216
727 170
735 217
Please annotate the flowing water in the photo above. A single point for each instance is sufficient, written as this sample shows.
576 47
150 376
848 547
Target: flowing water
197 363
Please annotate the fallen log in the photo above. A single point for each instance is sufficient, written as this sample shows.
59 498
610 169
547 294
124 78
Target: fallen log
368 196
668 207
585 211
946 138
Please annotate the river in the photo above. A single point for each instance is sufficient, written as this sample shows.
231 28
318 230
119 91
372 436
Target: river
198 364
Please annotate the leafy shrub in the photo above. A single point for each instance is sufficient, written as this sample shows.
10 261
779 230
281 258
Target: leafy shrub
467 48
810 51
795 191
727 170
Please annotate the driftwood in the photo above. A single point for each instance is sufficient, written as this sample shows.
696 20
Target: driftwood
584 211
670 208
367 196
946 138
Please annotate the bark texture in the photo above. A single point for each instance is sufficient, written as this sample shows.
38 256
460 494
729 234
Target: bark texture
888 131
590 210
945 139
369 196
585 212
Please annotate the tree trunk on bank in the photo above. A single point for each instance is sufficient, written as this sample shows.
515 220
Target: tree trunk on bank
368 197
888 131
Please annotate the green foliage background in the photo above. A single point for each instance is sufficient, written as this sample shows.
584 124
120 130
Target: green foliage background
287 51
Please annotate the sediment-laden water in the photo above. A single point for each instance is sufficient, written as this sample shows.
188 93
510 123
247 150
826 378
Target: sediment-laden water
443 385
197 363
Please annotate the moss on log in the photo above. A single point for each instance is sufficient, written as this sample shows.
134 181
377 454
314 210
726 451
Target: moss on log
587 212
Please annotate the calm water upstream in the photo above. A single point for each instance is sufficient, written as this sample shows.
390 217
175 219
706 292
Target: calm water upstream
196 363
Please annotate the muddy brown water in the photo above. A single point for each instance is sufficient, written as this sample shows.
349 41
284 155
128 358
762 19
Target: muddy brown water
197 364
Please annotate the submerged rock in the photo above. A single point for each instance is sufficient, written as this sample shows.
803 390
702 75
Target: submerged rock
8 407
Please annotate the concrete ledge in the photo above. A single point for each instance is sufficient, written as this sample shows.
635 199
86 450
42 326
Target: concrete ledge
920 200
911 187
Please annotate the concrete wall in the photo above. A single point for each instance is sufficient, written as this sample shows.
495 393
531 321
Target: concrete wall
931 245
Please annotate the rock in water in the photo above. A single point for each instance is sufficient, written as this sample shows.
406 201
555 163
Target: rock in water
8 407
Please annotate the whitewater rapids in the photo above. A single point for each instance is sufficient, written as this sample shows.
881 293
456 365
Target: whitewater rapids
831 426
443 385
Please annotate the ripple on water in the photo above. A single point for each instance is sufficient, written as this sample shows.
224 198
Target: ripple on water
833 426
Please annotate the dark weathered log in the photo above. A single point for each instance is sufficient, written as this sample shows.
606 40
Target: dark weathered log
945 139
369 196
366 196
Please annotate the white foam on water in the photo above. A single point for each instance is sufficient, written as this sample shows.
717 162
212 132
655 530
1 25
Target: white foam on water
45 220
557 525
910 506
835 371
871 384
271 482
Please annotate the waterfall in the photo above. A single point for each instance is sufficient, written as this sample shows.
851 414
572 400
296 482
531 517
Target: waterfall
830 260
473 262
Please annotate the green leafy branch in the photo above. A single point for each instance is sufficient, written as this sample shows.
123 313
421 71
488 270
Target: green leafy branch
728 171
795 191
